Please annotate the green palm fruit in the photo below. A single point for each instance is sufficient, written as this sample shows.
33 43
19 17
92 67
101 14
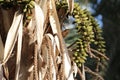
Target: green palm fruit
75 54
79 65
77 61
88 31
82 60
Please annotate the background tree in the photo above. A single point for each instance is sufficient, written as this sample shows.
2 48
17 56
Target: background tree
110 16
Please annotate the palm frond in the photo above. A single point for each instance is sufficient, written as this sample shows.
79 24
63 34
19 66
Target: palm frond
1 49
12 36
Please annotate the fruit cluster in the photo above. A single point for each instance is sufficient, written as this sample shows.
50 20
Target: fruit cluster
89 32
85 31
26 6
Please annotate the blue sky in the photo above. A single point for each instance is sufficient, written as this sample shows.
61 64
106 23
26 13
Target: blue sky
99 17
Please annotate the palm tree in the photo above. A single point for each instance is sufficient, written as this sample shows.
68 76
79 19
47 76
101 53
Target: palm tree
32 45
